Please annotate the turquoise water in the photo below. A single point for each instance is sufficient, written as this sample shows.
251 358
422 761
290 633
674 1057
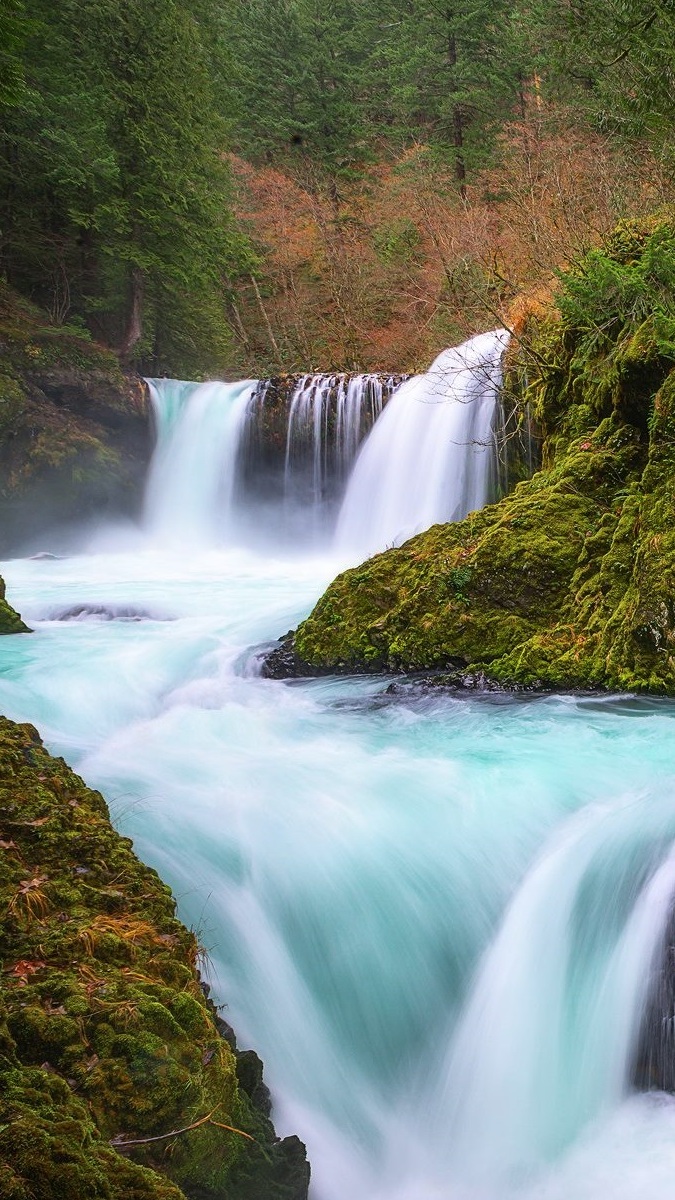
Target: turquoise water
434 917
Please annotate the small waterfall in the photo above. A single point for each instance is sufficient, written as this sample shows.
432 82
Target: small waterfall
547 1040
302 437
191 486
328 418
431 457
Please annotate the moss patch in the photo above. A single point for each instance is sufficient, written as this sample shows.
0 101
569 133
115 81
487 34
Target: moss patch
10 621
570 580
105 1033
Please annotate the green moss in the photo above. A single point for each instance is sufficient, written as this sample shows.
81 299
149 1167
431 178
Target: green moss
569 581
10 621
105 1033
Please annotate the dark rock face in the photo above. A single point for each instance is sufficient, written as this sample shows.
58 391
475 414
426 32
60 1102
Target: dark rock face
654 1063
77 447
105 612
74 432
282 662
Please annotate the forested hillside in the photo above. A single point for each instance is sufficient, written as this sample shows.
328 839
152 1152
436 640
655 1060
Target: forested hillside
265 185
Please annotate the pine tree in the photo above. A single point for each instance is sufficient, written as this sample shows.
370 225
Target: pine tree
114 190
301 73
615 61
455 74
12 41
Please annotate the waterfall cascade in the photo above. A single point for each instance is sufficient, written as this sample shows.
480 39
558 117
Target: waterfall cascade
235 459
191 485
432 455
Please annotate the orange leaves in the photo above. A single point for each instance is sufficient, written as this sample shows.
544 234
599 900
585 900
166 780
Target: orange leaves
335 301
24 969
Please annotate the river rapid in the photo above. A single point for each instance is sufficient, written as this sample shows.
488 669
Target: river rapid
434 917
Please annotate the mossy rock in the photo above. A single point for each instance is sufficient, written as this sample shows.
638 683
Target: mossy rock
10 621
569 581
108 1044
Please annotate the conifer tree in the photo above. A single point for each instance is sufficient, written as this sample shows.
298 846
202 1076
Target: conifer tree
114 194
455 72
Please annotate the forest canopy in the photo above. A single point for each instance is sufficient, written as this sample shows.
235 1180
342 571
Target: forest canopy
266 184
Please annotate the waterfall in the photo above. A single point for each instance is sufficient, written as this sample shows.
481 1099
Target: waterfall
548 1035
431 456
272 461
190 490
300 443
341 405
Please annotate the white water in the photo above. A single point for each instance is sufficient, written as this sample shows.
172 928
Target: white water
191 487
431 455
308 426
435 918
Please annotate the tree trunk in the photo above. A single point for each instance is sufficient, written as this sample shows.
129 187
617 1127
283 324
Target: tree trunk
457 116
134 330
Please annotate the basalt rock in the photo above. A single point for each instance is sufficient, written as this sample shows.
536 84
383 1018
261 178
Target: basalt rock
115 1080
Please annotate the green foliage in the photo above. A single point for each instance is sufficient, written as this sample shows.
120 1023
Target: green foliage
613 60
115 201
455 74
317 85
299 78
397 241
617 293
12 38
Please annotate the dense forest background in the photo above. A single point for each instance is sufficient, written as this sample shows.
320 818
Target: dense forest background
258 186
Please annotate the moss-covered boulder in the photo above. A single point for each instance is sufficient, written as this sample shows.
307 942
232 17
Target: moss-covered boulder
10 621
115 1081
569 581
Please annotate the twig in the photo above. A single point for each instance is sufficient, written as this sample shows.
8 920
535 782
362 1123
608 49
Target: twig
219 1125
162 1137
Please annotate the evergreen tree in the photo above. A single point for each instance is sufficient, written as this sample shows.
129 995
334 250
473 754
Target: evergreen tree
301 74
456 71
616 60
115 195
12 39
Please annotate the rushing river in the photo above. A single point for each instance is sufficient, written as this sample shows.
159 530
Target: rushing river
433 917
436 918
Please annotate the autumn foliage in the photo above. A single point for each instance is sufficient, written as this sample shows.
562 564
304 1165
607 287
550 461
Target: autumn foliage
398 264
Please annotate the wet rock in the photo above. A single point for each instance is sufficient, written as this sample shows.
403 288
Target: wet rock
10 621
106 1038
105 612
654 1063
